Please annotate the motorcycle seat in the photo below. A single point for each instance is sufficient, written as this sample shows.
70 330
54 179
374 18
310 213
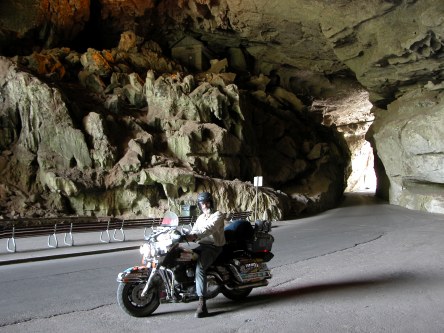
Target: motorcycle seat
239 231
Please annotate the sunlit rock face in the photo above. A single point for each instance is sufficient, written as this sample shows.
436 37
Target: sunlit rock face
391 46
91 136
409 139
396 50
308 50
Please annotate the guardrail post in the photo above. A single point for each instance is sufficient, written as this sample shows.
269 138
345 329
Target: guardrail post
121 230
54 236
107 234
11 240
68 235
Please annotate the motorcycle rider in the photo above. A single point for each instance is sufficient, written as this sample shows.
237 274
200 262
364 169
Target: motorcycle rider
208 231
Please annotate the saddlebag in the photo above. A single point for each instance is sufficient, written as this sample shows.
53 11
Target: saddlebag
241 235
261 242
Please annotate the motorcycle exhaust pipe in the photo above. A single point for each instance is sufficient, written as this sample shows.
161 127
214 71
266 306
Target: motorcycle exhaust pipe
249 285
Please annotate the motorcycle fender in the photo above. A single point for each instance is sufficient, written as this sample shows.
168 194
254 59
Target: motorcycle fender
134 274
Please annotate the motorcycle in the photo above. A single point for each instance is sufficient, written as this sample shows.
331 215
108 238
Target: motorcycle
168 267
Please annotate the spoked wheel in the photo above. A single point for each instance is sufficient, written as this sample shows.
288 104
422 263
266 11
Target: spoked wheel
236 294
130 300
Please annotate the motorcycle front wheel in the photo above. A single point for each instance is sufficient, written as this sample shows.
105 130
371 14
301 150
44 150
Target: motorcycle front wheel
236 294
131 301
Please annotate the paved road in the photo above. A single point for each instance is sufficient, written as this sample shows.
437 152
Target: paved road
363 267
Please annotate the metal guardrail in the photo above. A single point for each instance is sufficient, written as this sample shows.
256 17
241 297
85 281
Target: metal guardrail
110 228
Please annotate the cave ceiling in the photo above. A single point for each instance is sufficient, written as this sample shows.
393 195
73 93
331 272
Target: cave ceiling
386 45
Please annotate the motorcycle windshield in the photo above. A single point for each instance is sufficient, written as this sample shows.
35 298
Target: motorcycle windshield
170 219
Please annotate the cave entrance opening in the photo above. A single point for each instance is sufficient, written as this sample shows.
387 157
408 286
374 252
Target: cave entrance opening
349 111
362 177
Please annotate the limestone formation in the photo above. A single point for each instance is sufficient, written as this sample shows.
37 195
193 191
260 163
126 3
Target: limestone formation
194 132
408 138
270 72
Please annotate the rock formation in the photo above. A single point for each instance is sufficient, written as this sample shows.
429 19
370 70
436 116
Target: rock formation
137 110
87 133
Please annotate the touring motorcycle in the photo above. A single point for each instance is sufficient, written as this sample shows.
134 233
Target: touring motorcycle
166 274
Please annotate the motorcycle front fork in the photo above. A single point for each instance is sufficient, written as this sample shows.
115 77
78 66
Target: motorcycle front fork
167 277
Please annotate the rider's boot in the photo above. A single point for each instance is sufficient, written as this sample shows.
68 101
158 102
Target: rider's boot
201 308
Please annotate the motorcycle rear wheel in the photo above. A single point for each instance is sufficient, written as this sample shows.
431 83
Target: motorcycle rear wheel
236 294
130 300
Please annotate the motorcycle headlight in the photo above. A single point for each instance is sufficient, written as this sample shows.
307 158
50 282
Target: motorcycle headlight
147 250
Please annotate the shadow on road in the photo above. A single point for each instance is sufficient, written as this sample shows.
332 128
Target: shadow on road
344 288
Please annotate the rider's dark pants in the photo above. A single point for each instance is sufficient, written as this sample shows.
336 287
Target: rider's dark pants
207 255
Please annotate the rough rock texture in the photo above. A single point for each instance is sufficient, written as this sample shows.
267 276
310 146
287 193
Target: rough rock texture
349 111
396 51
391 46
409 139
42 23
294 53
168 137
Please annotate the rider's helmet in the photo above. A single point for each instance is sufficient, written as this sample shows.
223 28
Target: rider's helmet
205 197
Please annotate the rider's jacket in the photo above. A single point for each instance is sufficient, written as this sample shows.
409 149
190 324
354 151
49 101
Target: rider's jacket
210 229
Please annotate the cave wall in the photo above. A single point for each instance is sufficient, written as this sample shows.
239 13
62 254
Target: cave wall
85 134
409 139
393 49
396 50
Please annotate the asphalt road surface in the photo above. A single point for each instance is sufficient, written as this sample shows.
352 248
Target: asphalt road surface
364 267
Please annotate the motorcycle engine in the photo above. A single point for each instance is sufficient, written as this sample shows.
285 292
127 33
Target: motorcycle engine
184 273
